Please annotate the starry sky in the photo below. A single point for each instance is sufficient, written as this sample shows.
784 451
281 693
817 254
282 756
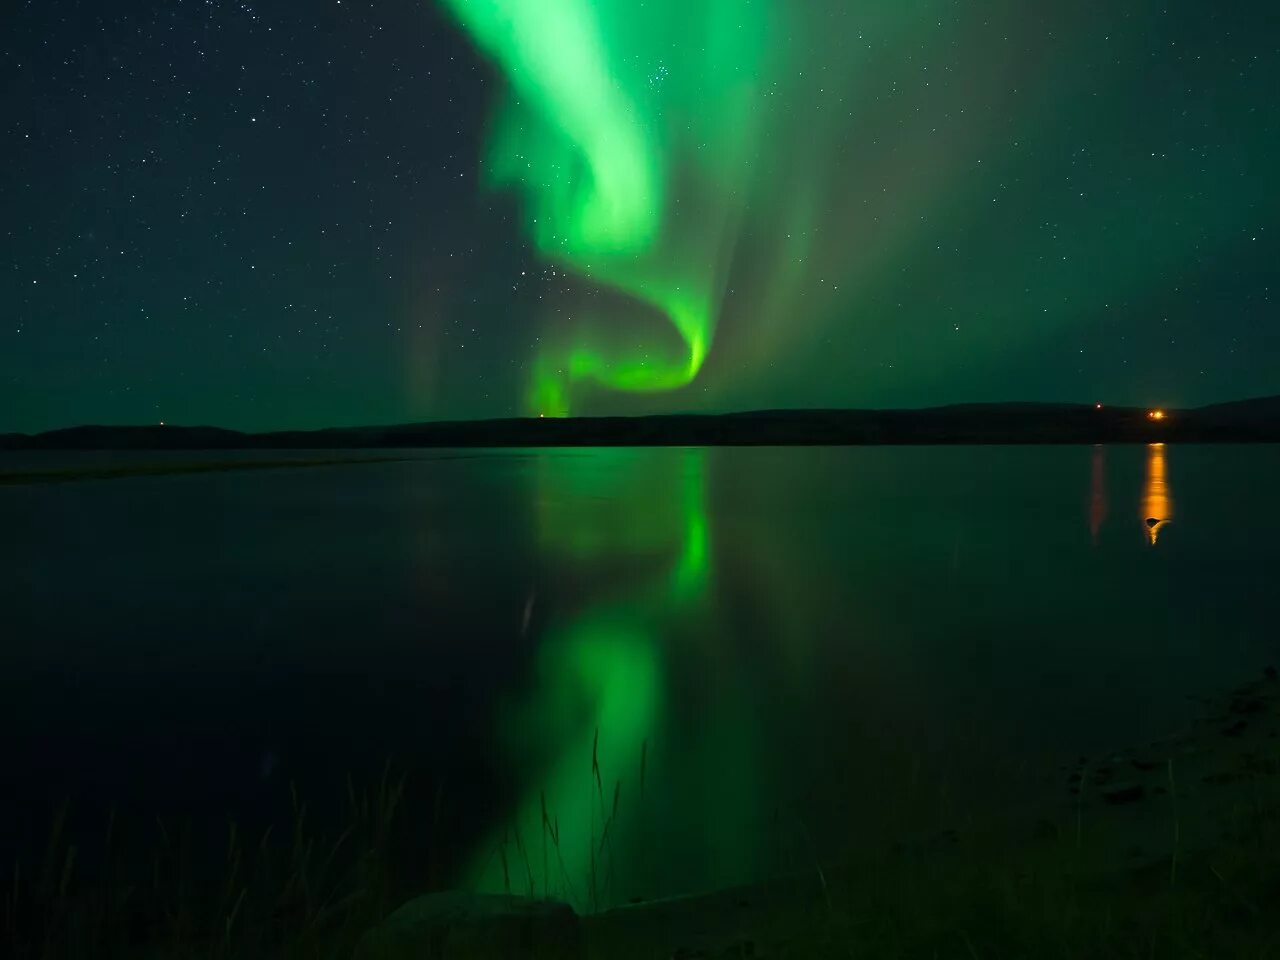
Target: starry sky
285 214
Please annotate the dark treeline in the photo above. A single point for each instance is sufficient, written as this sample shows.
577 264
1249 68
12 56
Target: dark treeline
1243 421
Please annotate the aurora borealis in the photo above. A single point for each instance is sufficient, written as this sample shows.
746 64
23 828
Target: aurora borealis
617 113
605 661
261 217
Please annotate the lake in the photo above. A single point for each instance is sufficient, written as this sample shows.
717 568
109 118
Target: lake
688 667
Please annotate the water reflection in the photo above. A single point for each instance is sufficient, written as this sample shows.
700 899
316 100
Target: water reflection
1157 501
682 657
582 737
1098 491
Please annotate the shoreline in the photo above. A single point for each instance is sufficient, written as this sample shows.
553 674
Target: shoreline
1251 421
1138 835
1129 847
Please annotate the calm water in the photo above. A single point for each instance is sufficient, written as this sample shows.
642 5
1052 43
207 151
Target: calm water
780 643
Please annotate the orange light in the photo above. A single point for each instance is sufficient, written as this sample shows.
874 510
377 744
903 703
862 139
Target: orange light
1157 500
1155 415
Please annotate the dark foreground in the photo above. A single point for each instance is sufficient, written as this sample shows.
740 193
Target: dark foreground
1245 421
1171 849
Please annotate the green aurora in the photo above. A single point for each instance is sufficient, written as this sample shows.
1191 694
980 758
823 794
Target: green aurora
624 207
468 209
632 131
830 172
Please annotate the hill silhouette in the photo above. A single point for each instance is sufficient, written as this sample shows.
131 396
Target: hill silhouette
1244 421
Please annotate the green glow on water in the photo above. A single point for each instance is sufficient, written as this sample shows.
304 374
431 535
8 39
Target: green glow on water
600 676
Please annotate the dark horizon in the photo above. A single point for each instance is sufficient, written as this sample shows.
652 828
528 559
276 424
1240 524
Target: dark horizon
747 412
1252 420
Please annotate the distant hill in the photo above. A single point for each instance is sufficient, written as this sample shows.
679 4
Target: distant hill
1243 421
1259 410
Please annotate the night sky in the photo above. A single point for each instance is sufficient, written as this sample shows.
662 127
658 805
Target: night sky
269 215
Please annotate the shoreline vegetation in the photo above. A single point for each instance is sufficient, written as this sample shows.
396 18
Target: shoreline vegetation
1169 849
1246 421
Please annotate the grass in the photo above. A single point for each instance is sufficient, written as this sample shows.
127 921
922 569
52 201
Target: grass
1067 898
1066 893
1048 906
295 894
543 873
1206 886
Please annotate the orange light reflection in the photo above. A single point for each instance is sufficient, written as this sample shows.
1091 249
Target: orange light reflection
1157 502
